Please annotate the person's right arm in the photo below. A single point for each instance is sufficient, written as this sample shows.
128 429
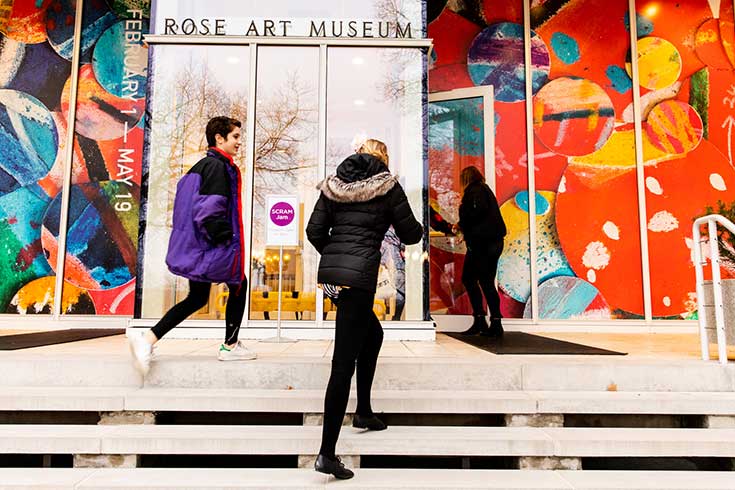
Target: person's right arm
210 206
408 229
320 224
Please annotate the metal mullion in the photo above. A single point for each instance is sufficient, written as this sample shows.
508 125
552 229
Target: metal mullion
293 41
640 170
250 163
530 160
322 156
68 161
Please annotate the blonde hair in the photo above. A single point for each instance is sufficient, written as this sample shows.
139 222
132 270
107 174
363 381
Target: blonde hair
375 148
470 175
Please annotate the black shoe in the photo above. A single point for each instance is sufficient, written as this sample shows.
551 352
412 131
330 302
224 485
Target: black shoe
496 329
478 326
370 423
325 464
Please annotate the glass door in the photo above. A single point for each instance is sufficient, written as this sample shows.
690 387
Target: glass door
461 134
286 163
190 85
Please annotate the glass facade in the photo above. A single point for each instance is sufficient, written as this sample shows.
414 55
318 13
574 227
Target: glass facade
614 185
189 85
584 162
37 45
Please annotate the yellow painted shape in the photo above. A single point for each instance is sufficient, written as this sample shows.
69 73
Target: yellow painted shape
659 63
41 292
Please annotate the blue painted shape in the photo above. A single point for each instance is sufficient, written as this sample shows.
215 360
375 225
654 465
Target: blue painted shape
96 19
28 140
566 302
565 48
42 74
644 26
619 79
25 208
89 238
542 204
497 57
120 65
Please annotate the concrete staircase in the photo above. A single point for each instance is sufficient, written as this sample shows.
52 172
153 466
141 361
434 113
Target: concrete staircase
520 422
384 479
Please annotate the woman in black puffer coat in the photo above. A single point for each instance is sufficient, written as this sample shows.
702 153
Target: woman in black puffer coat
484 230
355 209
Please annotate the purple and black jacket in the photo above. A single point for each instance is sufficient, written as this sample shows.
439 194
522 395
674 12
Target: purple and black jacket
207 242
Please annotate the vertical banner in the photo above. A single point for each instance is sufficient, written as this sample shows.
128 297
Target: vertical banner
282 226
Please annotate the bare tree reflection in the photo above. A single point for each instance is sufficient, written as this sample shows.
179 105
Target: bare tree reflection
284 123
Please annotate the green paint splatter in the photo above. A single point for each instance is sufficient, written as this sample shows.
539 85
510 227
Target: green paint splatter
14 277
699 97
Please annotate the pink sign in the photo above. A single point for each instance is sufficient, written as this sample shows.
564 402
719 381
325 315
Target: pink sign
282 213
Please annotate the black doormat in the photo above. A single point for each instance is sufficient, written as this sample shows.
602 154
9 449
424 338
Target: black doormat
526 343
38 339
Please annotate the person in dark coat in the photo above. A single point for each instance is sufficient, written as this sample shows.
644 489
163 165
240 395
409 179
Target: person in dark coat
356 207
483 229
207 243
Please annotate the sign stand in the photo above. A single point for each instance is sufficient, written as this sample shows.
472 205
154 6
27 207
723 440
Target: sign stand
278 339
279 233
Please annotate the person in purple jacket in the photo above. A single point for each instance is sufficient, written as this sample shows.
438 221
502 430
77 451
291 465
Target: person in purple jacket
207 243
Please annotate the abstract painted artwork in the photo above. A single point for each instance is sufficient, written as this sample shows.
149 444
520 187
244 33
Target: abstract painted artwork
36 48
585 145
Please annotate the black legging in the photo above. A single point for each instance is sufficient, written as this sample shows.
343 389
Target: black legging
480 266
197 298
357 339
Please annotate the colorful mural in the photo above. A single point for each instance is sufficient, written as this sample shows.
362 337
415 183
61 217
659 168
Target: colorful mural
36 48
478 43
588 225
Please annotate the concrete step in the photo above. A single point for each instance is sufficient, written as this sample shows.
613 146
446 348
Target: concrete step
384 479
494 373
101 399
398 440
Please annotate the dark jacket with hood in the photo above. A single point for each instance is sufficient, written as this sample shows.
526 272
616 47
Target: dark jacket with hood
355 209
479 216
207 242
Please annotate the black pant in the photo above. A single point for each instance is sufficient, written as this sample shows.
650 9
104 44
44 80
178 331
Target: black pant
480 266
197 298
357 339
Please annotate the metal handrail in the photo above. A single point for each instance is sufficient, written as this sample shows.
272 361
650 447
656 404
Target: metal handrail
712 220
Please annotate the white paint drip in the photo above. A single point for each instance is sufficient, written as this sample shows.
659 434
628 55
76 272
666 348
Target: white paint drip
596 256
611 230
717 182
562 184
653 186
591 276
23 105
561 132
663 221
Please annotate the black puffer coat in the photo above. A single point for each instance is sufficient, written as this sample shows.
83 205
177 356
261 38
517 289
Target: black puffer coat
479 216
355 209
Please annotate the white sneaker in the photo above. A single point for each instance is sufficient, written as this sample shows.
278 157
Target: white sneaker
141 351
237 353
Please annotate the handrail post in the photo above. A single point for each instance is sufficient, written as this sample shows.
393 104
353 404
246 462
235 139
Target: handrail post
717 291
701 315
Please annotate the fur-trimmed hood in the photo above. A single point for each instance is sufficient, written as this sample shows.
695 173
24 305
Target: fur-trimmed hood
360 178
338 190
